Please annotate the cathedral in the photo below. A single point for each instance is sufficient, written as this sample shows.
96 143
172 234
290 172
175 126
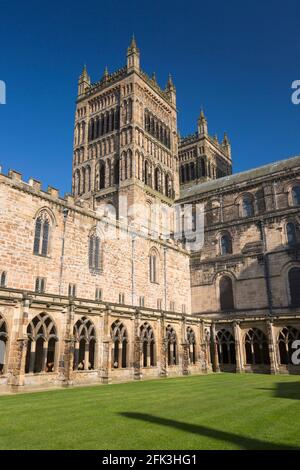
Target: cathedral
161 262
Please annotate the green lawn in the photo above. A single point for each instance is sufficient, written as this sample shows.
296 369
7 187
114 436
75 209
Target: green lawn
222 411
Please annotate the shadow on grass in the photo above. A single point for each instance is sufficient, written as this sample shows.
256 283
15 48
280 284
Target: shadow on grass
247 443
285 390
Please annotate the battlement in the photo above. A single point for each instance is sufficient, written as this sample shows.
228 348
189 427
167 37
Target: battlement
192 138
15 177
109 79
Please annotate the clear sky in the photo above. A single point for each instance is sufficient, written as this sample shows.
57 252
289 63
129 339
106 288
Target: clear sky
235 58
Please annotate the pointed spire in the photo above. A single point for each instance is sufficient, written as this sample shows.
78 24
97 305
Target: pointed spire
225 139
133 56
154 77
84 73
202 123
170 84
202 115
105 74
132 46
84 81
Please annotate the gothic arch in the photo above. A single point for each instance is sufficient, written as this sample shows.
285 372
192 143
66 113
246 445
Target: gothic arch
154 265
286 336
147 339
221 290
85 344
42 345
77 182
44 222
226 347
172 346
256 347
119 337
225 243
191 340
286 285
3 344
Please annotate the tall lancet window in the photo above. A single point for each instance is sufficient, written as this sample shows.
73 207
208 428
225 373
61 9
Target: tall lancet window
42 234
94 251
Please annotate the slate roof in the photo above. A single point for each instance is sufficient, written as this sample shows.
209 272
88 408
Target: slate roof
240 178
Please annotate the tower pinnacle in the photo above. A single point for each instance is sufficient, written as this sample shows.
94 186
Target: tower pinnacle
133 55
202 124
84 81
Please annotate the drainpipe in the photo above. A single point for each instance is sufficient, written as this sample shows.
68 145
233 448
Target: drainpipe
132 268
165 277
65 214
266 262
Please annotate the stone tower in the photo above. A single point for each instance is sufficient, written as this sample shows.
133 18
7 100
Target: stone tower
125 137
202 157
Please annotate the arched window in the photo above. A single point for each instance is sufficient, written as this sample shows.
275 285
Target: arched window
42 345
256 347
192 170
77 183
226 347
191 339
3 342
116 172
42 234
226 244
171 339
168 186
120 341
102 176
147 177
94 252
83 180
88 178
182 174
294 283
128 165
3 279
296 195
157 179
285 342
85 344
226 293
248 210
291 234
148 345
153 266
260 201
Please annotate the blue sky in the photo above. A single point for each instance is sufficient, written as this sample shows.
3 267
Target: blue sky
236 59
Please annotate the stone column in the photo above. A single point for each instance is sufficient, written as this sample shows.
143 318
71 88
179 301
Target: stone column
45 354
137 373
271 344
215 358
86 356
16 368
185 347
185 358
163 349
202 349
105 367
68 348
238 351
148 355
32 356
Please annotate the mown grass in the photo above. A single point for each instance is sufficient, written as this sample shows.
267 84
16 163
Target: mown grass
220 411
